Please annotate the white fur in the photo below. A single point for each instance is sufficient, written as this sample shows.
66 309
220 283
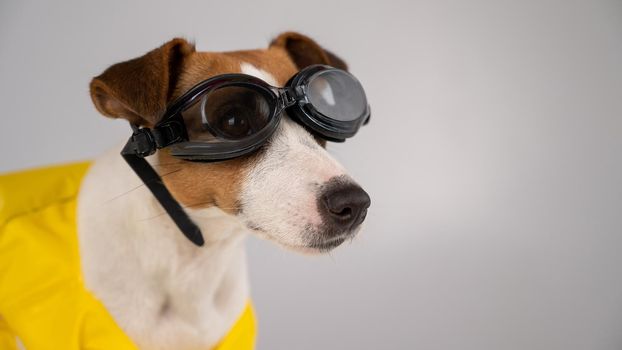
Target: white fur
161 289
249 69
279 195
279 192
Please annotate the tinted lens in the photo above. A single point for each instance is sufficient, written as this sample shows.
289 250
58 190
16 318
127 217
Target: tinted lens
337 95
229 113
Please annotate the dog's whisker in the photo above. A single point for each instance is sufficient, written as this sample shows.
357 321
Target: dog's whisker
210 202
336 238
152 217
193 215
351 239
124 193
166 164
198 204
139 186
172 172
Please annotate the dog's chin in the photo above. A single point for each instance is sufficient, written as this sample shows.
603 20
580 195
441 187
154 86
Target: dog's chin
313 248
315 243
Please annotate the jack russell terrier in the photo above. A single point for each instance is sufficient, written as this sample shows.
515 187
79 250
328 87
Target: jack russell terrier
218 177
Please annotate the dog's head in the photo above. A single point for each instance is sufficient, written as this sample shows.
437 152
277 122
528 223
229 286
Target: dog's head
290 191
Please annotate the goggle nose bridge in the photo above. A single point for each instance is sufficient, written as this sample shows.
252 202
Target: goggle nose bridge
289 96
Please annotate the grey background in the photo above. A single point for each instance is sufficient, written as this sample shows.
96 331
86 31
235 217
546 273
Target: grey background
493 159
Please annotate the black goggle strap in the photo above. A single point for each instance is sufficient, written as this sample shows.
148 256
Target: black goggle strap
142 143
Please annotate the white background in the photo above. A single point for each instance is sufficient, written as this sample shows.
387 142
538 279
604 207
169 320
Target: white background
493 159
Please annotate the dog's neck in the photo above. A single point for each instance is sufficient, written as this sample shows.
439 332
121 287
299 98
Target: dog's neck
160 288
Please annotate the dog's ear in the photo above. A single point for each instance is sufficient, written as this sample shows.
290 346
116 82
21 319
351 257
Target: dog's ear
305 52
139 89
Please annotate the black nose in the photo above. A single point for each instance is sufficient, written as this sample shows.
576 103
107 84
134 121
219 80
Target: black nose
343 204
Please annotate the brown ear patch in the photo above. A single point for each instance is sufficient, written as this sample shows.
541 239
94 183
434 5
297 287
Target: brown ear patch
139 89
304 51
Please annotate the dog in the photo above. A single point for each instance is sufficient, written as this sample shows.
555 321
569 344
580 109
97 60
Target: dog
163 291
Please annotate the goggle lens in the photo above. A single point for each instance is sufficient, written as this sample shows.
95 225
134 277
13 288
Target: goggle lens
227 113
337 95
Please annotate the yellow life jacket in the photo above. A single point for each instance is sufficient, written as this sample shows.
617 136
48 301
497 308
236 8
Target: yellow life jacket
43 300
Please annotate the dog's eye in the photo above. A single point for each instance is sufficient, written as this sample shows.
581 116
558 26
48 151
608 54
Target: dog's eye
234 113
233 121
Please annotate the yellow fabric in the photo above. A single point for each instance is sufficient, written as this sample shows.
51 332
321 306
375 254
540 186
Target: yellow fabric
42 297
